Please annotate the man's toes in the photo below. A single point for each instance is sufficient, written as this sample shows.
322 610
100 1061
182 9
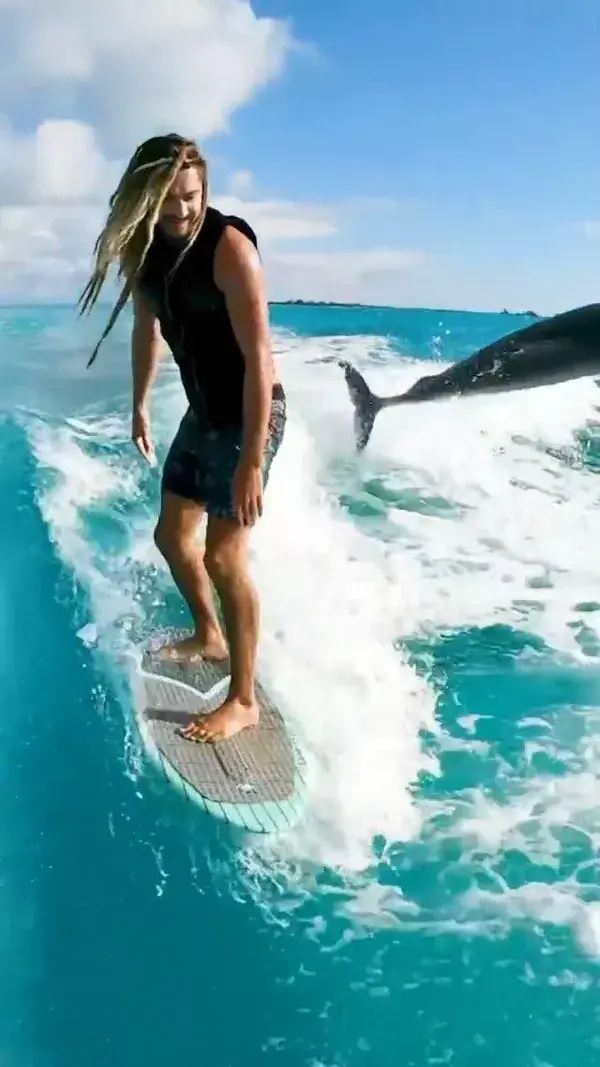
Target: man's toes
194 731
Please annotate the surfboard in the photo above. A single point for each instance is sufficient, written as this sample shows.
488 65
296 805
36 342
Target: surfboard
256 780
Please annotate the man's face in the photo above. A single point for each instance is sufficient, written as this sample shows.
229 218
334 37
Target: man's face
182 204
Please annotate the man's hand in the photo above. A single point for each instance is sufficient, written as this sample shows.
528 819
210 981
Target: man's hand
248 492
141 436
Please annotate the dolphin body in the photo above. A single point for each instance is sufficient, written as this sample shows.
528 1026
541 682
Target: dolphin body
553 350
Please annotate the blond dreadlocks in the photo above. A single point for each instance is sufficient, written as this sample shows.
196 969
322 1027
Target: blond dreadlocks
135 207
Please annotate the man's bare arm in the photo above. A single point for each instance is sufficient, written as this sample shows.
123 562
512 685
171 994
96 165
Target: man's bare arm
146 349
238 274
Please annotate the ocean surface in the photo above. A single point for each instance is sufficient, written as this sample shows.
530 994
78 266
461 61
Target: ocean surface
432 630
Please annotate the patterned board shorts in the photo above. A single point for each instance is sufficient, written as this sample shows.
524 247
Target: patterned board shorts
201 462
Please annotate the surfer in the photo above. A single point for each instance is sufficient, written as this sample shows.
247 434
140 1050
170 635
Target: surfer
196 281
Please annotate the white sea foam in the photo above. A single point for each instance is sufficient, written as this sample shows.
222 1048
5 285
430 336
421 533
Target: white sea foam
483 513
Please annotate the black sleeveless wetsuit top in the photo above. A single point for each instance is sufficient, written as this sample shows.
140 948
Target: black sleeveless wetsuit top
194 321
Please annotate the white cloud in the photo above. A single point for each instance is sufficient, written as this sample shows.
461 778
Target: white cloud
279 220
241 183
349 265
59 163
371 275
45 250
140 69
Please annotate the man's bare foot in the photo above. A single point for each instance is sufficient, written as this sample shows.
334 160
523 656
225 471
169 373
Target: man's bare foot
228 720
211 647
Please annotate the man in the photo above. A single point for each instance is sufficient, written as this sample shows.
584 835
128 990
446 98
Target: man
196 280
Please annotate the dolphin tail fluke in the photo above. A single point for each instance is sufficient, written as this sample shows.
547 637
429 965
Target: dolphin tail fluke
366 404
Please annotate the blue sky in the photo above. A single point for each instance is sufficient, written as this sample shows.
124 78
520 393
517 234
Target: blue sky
436 152
480 118
460 102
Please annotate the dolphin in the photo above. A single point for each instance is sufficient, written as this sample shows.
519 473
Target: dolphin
551 350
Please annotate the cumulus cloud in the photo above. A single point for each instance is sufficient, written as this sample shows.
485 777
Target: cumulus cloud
280 220
60 163
131 71
45 251
141 67
241 183
369 276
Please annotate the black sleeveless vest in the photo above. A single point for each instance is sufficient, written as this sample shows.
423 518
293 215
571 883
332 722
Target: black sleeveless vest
194 321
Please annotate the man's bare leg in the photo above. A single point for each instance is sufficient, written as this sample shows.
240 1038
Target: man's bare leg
226 560
176 539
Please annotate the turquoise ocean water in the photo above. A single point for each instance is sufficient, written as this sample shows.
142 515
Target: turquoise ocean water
431 628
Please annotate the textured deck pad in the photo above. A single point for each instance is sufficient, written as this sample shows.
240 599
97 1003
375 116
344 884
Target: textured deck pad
209 679
255 779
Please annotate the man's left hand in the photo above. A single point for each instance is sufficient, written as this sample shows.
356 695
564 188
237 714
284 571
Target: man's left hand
248 492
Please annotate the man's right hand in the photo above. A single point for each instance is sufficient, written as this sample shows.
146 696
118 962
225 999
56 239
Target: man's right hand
141 436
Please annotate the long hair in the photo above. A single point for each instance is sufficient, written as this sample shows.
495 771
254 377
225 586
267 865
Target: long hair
134 209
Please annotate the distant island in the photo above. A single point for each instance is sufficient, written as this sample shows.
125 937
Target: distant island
384 307
531 314
325 304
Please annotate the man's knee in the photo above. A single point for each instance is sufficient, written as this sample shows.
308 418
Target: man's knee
166 539
173 537
225 559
